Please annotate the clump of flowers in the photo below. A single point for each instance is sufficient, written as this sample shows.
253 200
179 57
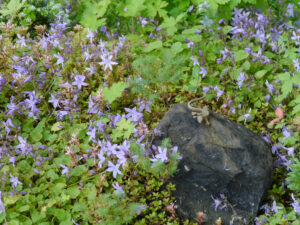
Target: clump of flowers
63 120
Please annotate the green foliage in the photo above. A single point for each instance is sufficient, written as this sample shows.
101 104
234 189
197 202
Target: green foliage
123 131
31 13
165 67
282 217
110 94
93 13
156 64
12 7
115 209
293 177
287 83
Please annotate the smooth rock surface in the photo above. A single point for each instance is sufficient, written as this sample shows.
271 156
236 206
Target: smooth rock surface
223 158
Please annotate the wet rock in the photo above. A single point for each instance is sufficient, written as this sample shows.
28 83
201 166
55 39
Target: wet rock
225 171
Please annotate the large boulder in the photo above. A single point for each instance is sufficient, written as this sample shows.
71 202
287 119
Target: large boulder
225 171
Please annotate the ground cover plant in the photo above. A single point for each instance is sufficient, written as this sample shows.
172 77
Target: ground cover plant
80 100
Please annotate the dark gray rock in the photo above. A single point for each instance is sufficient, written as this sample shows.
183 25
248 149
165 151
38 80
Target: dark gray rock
223 158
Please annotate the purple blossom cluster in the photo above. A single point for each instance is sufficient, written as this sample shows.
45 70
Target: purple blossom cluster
45 81
113 157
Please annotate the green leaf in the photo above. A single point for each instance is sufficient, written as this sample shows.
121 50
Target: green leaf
12 7
235 74
240 55
24 166
124 129
24 208
102 7
115 91
283 76
78 170
37 133
133 8
176 47
221 2
258 75
58 188
56 127
246 65
296 79
61 214
153 45
5 169
234 3
13 222
296 109
156 7
227 29
250 1
291 53
287 87
66 222
92 193
10 200
51 174
90 18
73 191
78 207
168 22
37 216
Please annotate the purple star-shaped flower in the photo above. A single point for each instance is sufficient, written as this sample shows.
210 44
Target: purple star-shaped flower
289 10
14 181
162 155
296 64
61 114
87 55
65 169
247 116
92 133
107 62
219 92
270 87
110 148
275 208
217 202
91 70
241 79
2 207
295 204
60 59
79 81
54 101
143 21
8 124
101 158
206 89
12 107
142 207
121 158
113 168
195 61
90 35
23 145
44 43
118 189
93 107
203 71
21 40
125 147
133 115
